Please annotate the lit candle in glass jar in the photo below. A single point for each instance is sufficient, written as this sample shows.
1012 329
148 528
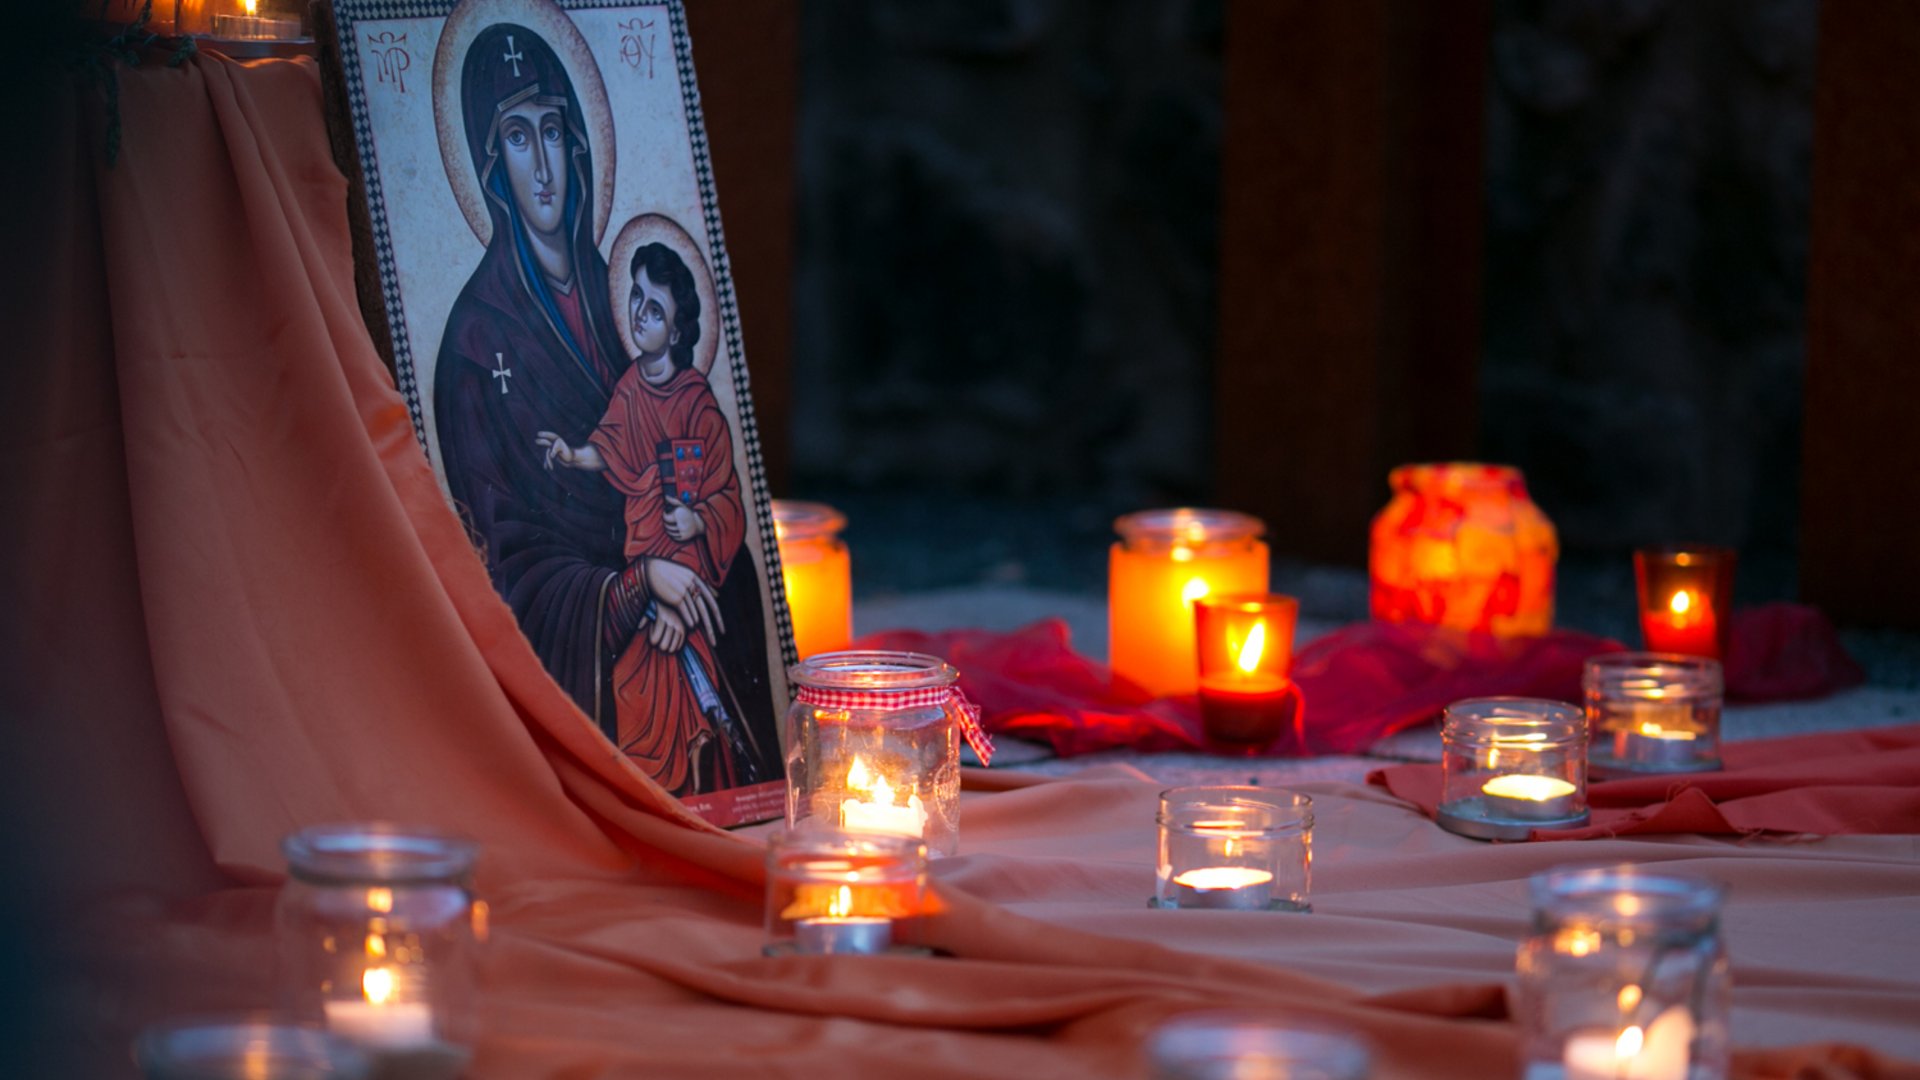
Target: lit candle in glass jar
378 1020
1686 624
1660 1051
1686 598
878 812
817 572
1529 798
1164 562
1239 888
839 931
1245 644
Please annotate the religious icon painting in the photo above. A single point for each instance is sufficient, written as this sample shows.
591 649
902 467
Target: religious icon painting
541 218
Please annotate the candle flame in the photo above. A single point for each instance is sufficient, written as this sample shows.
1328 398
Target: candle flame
253 6
868 783
377 984
380 899
1256 643
1629 1043
1194 590
1681 602
841 905
376 945
1629 999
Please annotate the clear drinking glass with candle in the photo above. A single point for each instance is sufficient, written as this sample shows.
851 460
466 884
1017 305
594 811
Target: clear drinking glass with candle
817 572
1163 562
1245 643
831 892
1510 765
873 745
1686 598
1234 848
1653 712
1228 1045
1624 976
378 931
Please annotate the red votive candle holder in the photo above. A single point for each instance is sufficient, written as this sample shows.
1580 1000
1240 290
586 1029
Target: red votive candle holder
1686 598
1244 643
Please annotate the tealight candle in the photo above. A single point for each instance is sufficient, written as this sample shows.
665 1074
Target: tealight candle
1653 712
1244 644
1234 848
1165 560
841 893
1510 765
1529 798
817 573
1659 1051
1623 976
1686 599
878 812
1240 888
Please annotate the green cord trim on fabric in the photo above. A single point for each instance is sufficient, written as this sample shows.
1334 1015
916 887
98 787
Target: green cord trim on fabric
97 62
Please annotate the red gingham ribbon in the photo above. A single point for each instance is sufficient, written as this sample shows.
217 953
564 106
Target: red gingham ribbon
918 697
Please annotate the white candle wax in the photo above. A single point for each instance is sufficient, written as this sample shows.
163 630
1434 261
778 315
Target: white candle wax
1650 743
1661 1051
1233 887
1529 798
391 1025
862 816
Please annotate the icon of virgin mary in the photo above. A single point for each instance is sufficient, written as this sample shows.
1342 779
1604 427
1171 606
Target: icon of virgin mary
530 346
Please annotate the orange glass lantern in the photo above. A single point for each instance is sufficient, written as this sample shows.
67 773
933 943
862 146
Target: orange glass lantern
818 574
1686 598
1462 545
1163 562
1245 644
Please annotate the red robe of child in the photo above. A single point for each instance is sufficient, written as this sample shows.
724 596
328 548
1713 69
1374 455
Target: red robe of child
658 717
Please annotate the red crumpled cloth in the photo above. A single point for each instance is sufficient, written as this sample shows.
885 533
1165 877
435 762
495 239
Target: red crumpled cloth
1827 784
1781 652
1358 684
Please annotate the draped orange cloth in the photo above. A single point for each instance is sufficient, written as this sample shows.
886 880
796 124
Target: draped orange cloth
241 605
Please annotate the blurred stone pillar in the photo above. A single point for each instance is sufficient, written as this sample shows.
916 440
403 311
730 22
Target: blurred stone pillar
1860 455
1350 257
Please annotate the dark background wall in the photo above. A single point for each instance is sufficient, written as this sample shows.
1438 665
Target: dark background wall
1008 228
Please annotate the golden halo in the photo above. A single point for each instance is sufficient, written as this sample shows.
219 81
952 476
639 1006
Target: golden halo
661 229
542 17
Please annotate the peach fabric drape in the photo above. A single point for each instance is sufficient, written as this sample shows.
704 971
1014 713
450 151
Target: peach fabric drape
242 606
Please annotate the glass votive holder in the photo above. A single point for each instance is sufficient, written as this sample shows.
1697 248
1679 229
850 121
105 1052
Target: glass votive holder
1686 598
1244 643
1510 765
1239 1046
1623 975
379 933
833 893
246 1048
1653 712
1234 848
1163 562
817 572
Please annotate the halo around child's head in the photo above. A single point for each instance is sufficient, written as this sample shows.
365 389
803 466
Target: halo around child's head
661 229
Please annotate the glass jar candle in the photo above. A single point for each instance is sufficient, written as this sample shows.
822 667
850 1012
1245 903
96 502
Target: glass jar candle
1461 544
1623 976
1686 598
873 745
817 572
1163 562
1234 848
378 930
1653 712
1510 765
834 892
1239 1046
1244 643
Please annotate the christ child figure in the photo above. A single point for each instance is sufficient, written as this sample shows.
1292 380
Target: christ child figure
664 443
